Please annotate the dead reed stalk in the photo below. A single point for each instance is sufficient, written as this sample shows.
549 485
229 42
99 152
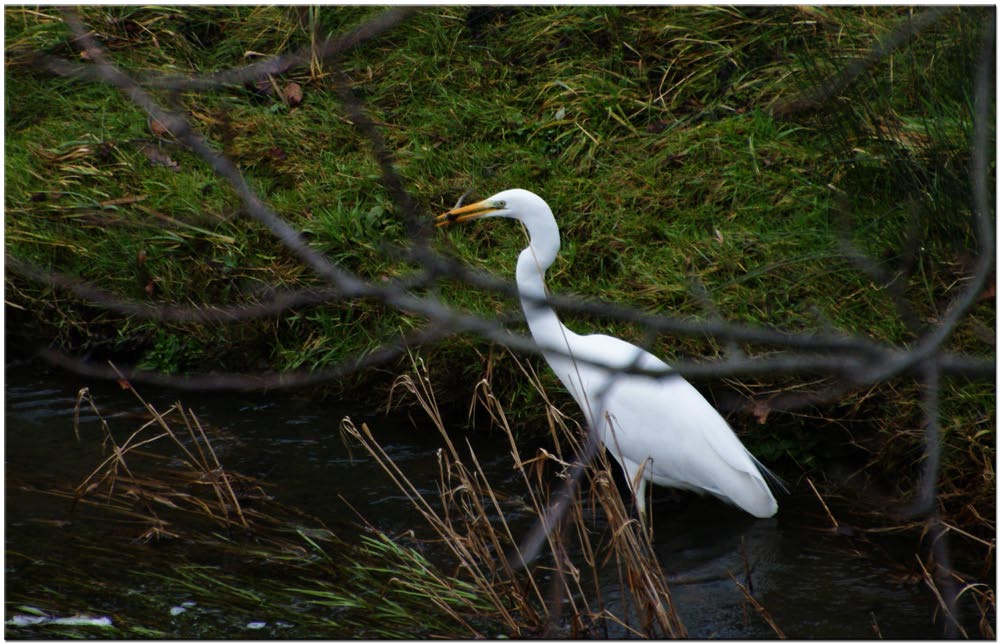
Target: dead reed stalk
560 593
200 487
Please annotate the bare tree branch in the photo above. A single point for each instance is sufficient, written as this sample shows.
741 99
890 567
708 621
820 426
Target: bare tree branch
830 87
248 381
275 304
273 66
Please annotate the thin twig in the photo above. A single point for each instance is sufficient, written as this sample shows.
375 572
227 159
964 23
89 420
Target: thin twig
330 48
761 610
830 87
836 525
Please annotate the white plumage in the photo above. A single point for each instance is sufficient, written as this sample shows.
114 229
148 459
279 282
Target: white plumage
662 426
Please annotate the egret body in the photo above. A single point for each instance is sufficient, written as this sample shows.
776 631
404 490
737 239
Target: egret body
660 430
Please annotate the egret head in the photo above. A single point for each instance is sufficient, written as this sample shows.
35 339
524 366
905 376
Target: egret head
522 205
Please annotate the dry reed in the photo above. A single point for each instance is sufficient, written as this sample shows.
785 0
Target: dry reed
195 485
560 594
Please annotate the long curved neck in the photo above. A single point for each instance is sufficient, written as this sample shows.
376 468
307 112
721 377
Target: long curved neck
531 266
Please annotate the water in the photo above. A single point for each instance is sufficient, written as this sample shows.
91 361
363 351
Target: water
813 583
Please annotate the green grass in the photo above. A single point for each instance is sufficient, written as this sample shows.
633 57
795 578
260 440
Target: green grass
650 131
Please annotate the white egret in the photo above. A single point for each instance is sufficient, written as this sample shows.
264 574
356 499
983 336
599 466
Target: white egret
660 430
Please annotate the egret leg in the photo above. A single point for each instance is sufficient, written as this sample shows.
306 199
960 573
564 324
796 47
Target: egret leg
640 496
636 484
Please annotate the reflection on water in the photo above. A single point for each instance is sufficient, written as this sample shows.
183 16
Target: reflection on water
809 584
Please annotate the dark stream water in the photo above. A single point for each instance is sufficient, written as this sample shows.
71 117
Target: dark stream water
813 583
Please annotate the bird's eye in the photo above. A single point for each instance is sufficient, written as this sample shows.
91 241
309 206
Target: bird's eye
501 204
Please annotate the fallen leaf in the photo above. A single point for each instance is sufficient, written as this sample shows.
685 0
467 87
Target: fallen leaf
140 257
157 156
760 410
656 127
293 94
123 201
150 287
158 128
259 88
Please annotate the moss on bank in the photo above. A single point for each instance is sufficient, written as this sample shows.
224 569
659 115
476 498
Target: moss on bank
651 132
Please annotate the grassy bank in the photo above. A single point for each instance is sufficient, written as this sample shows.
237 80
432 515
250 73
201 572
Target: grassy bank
668 141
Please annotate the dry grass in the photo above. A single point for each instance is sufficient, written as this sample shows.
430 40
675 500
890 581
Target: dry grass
201 488
597 576
169 515
560 592
164 483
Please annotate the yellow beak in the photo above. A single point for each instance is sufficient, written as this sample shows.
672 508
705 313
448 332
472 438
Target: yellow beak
465 213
